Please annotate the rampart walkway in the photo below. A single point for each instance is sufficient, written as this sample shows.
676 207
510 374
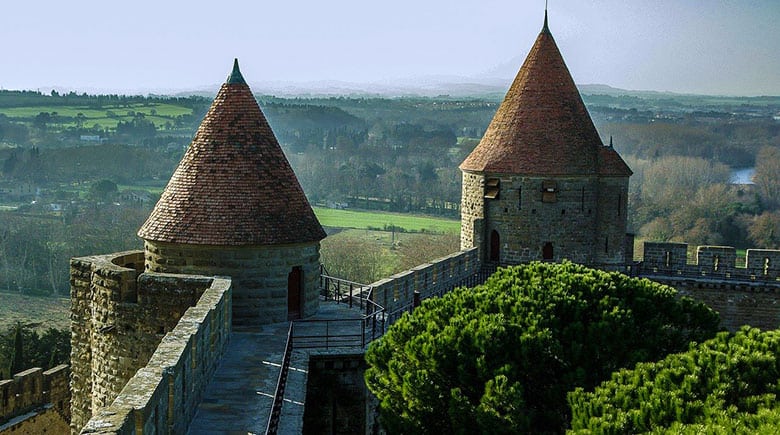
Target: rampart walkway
240 395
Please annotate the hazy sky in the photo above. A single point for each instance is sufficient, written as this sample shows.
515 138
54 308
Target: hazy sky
698 46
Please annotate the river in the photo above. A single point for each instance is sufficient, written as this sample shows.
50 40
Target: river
742 176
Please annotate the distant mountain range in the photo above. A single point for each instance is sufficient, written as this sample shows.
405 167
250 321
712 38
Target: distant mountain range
491 84
429 86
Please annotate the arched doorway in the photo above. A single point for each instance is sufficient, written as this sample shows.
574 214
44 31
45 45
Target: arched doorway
495 246
294 293
547 251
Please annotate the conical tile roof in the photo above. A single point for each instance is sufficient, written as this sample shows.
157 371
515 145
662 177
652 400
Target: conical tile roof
542 127
234 185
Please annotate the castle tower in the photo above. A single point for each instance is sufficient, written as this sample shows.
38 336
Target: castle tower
234 207
541 185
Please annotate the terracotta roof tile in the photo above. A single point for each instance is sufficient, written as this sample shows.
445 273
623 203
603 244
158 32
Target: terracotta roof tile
234 186
542 127
611 164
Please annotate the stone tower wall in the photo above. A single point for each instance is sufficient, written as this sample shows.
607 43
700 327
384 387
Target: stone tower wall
526 217
472 212
162 396
609 241
259 274
118 318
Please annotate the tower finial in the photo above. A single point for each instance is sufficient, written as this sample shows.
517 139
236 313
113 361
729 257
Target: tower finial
545 29
610 141
235 77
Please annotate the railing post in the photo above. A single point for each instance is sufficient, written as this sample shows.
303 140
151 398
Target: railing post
350 295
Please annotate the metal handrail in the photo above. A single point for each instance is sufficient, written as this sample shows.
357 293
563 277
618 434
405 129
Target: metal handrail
281 384
355 290
328 340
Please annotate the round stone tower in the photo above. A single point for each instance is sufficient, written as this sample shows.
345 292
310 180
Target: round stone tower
234 207
541 185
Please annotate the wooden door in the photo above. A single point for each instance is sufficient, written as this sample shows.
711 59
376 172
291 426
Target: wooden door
495 246
547 251
294 293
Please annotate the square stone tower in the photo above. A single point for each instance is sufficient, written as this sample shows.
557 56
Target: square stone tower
541 185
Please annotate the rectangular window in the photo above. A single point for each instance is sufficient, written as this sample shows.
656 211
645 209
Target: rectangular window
620 204
519 198
492 187
549 191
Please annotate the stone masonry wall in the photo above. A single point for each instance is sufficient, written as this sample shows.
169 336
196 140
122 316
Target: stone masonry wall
579 218
526 222
336 384
118 318
259 274
162 396
397 292
34 391
43 421
742 296
715 262
611 223
472 211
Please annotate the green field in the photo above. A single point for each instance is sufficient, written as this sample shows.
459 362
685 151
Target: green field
381 220
156 190
105 116
39 312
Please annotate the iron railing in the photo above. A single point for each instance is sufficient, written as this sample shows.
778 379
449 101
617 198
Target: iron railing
281 384
344 291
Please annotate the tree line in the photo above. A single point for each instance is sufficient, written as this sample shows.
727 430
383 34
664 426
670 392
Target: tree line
22 348
402 155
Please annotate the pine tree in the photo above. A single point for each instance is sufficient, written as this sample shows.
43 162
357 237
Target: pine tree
17 360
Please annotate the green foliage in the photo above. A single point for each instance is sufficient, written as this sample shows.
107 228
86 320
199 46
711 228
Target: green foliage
17 358
22 348
34 251
102 190
366 256
728 384
500 358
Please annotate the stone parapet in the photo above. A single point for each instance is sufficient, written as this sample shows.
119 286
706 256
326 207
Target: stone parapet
162 396
712 262
428 279
32 389
118 318
741 295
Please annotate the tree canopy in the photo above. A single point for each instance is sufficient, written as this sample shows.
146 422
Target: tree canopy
22 348
728 384
501 357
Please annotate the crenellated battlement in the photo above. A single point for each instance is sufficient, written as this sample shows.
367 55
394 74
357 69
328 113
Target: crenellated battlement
32 390
747 295
715 262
